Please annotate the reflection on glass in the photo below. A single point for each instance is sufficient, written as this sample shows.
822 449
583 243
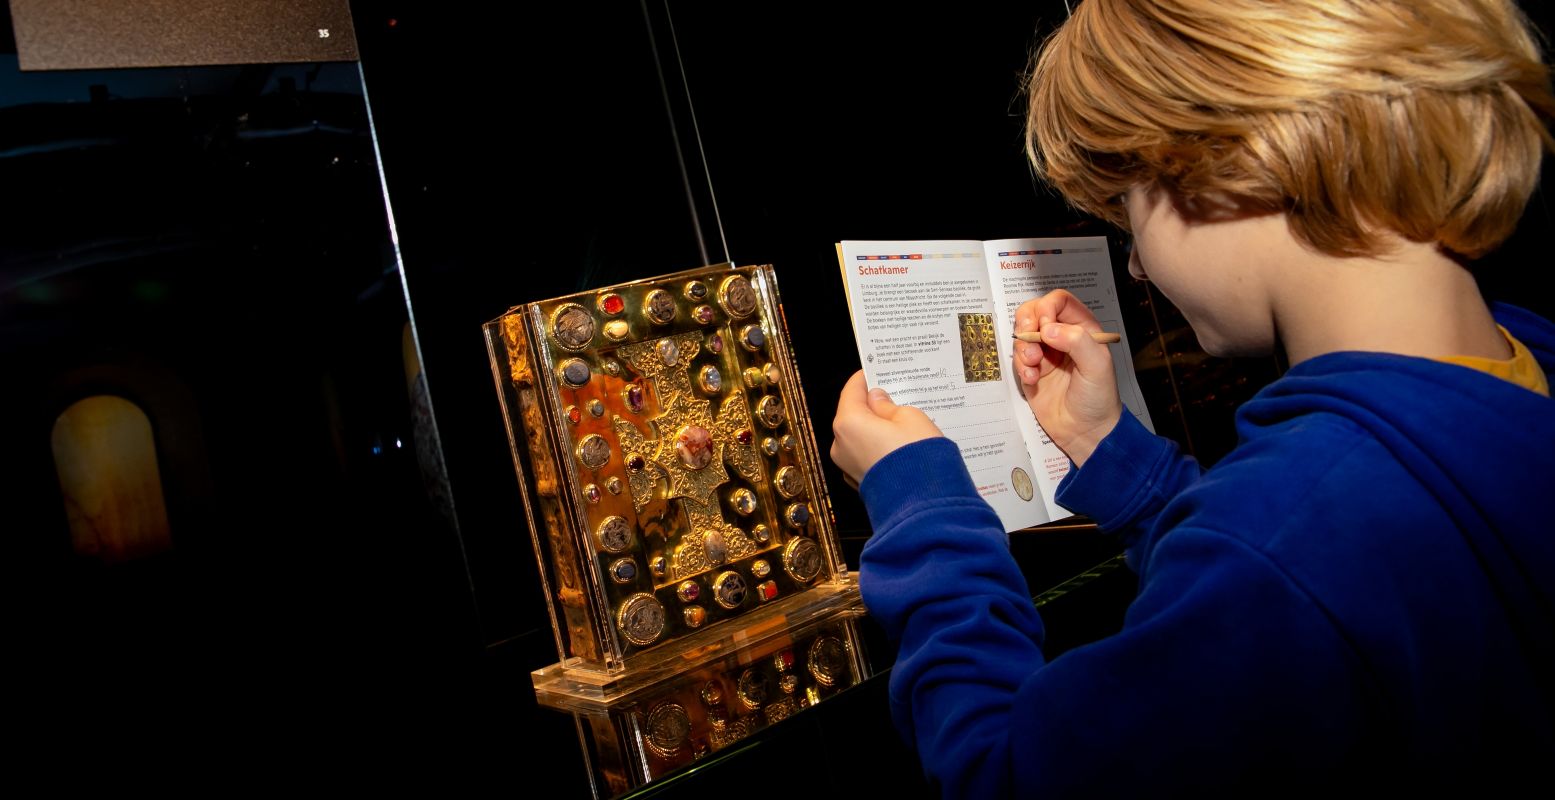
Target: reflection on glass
211 244
107 464
714 704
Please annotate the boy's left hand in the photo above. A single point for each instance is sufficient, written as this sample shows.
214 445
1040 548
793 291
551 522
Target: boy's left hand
869 426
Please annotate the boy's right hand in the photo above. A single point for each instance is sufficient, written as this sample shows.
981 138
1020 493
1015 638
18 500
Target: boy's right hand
869 426
1067 378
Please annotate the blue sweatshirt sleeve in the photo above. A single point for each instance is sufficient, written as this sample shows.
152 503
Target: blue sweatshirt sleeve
1126 482
1183 691
939 578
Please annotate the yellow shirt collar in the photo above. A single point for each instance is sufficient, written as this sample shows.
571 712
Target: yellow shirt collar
1521 369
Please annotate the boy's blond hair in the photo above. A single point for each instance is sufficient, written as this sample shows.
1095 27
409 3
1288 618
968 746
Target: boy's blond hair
1419 117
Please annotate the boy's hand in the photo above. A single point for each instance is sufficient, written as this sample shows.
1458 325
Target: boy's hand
869 426
1067 378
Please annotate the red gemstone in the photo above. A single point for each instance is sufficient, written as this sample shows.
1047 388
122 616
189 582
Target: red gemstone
573 414
612 304
634 397
744 436
636 463
715 343
768 590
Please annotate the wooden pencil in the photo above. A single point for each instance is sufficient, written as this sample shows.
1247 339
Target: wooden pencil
1101 337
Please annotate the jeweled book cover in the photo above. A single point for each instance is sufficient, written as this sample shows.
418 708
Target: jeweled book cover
668 467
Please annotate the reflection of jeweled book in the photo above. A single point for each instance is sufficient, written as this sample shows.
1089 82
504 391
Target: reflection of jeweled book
669 471
934 322
715 703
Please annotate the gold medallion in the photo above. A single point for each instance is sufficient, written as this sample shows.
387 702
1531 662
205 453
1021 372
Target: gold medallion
802 560
641 618
659 307
614 534
737 297
667 730
769 409
1022 483
729 590
594 451
572 326
789 482
751 688
827 660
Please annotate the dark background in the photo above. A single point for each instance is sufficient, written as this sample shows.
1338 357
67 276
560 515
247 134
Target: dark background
214 244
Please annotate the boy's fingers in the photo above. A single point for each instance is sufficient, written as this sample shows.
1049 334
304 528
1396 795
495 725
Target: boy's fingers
881 403
1076 342
853 393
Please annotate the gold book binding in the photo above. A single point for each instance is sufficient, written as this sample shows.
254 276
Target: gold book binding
669 472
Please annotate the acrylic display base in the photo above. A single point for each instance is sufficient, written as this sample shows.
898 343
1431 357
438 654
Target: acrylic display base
561 684
731 691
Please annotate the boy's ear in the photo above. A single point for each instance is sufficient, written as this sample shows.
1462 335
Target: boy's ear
1216 206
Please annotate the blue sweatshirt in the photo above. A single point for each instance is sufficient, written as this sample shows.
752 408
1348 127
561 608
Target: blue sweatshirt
1361 590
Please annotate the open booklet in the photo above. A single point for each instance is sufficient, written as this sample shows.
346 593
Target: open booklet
935 322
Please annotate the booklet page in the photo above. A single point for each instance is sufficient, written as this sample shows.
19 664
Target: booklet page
1024 269
925 321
